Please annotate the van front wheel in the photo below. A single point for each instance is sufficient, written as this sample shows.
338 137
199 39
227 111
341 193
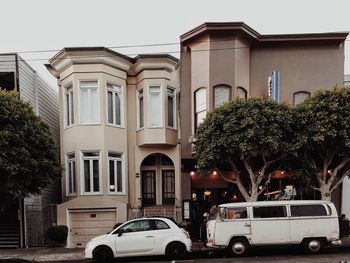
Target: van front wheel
313 245
238 246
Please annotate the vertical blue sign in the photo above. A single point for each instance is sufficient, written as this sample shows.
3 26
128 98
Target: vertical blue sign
274 85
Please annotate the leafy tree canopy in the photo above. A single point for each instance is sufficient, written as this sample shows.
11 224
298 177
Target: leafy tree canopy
250 137
28 155
324 122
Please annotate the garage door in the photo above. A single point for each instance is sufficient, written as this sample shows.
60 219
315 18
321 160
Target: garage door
85 225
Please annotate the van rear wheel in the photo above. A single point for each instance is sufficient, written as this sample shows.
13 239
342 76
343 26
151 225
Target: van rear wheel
313 245
238 246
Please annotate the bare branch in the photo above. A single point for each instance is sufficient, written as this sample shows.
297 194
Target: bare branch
315 188
337 169
347 173
225 178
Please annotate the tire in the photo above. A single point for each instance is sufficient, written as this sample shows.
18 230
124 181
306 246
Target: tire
103 255
176 251
238 247
313 245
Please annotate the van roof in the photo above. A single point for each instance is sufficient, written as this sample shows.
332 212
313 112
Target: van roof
275 203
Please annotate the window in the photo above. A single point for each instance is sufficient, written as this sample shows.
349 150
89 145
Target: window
159 225
200 99
269 211
299 97
168 183
171 107
136 226
69 110
236 213
140 122
89 102
91 172
308 210
148 188
116 175
155 107
241 93
70 173
114 104
221 95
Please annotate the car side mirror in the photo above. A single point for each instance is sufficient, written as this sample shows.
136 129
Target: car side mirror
120 233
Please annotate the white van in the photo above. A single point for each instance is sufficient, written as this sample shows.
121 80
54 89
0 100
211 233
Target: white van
237 226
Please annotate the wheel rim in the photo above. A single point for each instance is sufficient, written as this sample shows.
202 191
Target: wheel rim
314 245
176 251
238 248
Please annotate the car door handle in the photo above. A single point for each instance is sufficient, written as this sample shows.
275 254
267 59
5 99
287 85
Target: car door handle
149 236
247 224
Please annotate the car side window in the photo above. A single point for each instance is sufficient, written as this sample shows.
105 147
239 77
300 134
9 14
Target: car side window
308 210
236 213
159 225
136 226
269 211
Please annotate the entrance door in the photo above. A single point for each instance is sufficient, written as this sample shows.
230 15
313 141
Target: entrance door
148 187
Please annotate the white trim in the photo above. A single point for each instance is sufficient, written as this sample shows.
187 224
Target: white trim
82 179
116 159
161 106
140 93
98 90
70 112
67 174
174 108
122 103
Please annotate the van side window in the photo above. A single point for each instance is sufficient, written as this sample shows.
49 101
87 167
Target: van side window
308 210
236 212
269 211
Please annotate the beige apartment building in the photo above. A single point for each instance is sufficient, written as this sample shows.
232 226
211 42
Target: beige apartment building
222 61
119 139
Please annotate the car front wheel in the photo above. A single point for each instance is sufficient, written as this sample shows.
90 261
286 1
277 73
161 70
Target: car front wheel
176 251
103 255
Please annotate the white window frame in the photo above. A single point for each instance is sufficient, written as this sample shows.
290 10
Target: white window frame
116 159
71 164
173 95
119 90
161 106
202 108
82 179
139 95
97 102
68 108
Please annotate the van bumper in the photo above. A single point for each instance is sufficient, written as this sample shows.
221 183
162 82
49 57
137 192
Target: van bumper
336 243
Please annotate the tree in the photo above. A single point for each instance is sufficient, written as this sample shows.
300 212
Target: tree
250 138
324 122
28 156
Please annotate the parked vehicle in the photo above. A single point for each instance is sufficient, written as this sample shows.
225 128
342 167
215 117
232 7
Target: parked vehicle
141 237
238 226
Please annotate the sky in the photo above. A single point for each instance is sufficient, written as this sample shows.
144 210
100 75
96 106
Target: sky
42 25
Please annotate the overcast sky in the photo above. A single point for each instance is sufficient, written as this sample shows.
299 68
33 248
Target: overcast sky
38 25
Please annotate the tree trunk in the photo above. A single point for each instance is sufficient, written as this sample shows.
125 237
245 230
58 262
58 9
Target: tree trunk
325 191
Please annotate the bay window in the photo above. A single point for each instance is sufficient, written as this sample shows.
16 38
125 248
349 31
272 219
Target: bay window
241 93
200 102
171 103
70 174
300 96
89 102
221 95
155 107
68 106
114 104
140 109
91 172
116 173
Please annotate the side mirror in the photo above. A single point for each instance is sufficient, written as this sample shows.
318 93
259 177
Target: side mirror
120 233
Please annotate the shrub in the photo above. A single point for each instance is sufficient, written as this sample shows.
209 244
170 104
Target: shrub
57 234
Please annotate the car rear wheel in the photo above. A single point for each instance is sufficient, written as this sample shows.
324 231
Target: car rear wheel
313 245
176 251
238 247
103 255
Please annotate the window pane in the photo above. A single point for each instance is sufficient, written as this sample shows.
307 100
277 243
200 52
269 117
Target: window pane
168 187
115 155
171 111
110 107
158 225
87 175
300 97
141 112
201 100
241 93
221 95
94 106
200 117
96 176
155 117
117 110
70 182
269 211
236 213
73 177
85 106
71 108
67 109
119 177
308 210
111 176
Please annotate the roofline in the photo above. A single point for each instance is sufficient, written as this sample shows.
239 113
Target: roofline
156 55
224 26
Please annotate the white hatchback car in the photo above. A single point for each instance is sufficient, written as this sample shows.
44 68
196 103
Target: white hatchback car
141 237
